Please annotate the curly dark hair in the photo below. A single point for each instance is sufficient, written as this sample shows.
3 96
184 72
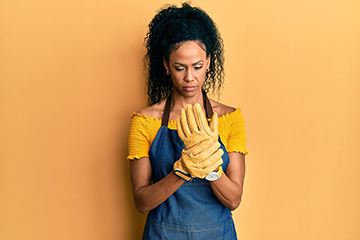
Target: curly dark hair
171 27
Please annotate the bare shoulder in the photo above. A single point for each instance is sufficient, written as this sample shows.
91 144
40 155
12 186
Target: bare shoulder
154 111
220 108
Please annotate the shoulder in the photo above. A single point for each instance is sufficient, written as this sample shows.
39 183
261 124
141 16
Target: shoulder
154 111
221 109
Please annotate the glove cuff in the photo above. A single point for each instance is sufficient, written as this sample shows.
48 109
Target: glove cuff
183 175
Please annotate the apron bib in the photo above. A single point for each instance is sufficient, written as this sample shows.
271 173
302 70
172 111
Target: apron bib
193 211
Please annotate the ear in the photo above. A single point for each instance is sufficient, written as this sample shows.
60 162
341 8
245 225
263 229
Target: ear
166 65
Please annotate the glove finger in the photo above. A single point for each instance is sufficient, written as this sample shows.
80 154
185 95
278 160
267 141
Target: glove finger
212 129
212 167
180 130
184 124
212 160
200 116
201 147
191 119
207 151
186 165
214 122
204 126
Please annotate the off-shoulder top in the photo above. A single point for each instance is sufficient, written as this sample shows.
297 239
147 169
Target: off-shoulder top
143 130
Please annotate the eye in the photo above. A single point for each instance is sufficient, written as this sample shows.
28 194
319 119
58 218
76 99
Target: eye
198 67
179 69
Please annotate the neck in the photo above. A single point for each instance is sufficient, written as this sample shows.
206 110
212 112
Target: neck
179 101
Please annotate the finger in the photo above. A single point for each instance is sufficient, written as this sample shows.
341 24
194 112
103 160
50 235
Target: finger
180 130
214 156
206 151
201 147
211 168
200 116
213 160
214 122
212 129
191 119
184 124
203 123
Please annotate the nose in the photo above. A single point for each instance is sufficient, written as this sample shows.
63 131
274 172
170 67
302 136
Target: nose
189 75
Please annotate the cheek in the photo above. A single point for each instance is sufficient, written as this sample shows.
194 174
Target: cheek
176 78
202 75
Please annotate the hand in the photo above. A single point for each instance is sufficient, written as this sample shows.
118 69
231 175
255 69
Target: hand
193 128
198 161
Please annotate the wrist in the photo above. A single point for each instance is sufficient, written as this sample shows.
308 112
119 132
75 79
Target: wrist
179 171
214 175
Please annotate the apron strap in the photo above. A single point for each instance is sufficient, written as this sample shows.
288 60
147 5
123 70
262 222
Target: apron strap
207 105
165 117
166 113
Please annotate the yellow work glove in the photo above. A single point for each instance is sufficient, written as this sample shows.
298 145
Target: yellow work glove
198 161
192 127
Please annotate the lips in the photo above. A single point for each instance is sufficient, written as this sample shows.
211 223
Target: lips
189 88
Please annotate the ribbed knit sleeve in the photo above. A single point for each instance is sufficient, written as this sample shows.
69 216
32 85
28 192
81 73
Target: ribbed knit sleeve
232 131
143 130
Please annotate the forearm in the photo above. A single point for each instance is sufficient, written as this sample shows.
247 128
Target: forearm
149 197
229 187
228 192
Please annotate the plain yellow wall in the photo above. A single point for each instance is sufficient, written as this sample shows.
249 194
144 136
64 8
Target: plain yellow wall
71 73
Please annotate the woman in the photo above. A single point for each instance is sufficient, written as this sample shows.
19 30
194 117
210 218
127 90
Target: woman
167 144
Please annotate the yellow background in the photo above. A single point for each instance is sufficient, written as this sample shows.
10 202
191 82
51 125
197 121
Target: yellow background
71 73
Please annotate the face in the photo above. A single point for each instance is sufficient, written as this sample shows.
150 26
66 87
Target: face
188 65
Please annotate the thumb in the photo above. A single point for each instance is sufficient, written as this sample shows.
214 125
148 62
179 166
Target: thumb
214 122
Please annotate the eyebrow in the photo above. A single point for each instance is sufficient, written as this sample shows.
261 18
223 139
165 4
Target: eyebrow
185 65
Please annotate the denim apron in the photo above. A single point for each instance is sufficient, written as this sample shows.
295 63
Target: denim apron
193 211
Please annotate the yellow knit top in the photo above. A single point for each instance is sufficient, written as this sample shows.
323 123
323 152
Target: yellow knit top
143 130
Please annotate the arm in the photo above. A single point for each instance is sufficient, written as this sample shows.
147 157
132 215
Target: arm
229 187
148 196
